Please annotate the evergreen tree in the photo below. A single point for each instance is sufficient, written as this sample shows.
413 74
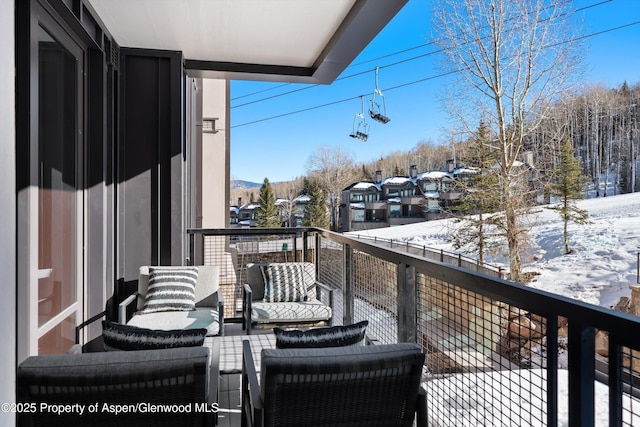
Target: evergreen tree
365 174
315 212
267 211
481 198
568 185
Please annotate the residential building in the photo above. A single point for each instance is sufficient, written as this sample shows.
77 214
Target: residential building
114 139
284 211
402 200
297 210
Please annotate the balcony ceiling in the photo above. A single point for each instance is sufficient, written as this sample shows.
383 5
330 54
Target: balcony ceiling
307 41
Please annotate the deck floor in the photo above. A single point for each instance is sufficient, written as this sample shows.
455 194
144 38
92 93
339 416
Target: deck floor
229 405
229 414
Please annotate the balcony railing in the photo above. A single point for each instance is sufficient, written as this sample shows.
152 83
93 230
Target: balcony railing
497 353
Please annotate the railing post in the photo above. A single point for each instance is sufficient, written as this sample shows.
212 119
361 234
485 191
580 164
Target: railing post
192 248
615 381
347 280
304 246
552 371
406 303
316 254
201 255
581 374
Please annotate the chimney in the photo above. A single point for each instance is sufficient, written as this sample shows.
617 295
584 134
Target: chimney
413 171
239 201
378 178
450 165
528 158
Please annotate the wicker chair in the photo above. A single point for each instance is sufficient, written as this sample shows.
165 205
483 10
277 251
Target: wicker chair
259 313
340 386
184 377
209 312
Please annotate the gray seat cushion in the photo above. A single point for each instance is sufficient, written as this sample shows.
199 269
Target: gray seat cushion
200 318
282 312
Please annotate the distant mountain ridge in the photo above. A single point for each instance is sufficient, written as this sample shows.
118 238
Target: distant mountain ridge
240 184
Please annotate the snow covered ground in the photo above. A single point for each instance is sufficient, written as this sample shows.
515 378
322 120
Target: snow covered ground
512 398
599 271
605 252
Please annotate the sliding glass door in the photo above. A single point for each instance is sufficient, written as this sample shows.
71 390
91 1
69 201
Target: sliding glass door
59 163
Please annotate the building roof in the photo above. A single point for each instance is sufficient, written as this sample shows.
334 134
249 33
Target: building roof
250 206
272 40
432 175
363 186
396 180
466 171
302 199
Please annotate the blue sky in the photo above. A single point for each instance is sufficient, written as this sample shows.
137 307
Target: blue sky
278 148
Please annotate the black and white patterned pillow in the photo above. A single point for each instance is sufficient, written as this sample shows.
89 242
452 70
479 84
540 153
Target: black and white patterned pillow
332 336
171 289
117 336
287 282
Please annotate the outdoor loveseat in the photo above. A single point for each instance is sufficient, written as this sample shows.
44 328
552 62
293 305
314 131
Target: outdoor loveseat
374 385
284 294
120 388
208 307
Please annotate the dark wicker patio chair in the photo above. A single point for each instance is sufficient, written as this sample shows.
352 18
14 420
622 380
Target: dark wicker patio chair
339 386
129 381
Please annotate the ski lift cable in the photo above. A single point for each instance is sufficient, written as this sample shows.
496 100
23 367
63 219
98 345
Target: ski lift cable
384 66
403 84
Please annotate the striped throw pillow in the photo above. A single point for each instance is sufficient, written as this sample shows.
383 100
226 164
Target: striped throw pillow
331 336
125 337
171 289
287 282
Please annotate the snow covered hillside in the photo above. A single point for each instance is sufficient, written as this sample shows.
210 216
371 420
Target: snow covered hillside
600 269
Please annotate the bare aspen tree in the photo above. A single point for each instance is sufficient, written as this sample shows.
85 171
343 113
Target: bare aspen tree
333 169
512 57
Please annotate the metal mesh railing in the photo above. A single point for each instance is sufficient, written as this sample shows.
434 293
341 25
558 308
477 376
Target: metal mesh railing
481 356
375 292
497 353
423 251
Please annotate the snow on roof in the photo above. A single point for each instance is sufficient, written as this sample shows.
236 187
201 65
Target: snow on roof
281 201
302 198
250 206
467 171
431 194
432 175
395 180
394 200
363 186
357 205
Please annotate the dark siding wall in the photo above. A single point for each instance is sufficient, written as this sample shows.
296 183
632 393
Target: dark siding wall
150 153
